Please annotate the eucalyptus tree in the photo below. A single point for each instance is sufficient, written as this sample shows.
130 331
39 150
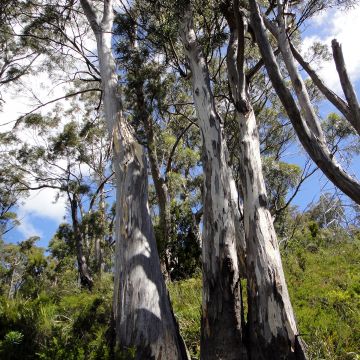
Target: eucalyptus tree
16 60
149 94
221 327
10 193
268 297
23 267
142 310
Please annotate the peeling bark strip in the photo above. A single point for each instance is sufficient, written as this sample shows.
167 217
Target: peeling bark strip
142 310
316 149
221 327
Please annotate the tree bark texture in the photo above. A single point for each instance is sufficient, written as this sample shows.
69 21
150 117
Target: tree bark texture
316 149
221 327
272 331
271 327
160 185
142 311
142 308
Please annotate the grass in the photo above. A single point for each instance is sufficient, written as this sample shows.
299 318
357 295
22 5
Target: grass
325 292
186 301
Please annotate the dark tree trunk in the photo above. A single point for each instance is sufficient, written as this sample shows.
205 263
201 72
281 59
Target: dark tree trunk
161 188
83 268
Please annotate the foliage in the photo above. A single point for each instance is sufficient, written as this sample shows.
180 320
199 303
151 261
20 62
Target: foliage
44 313
74 326
51 317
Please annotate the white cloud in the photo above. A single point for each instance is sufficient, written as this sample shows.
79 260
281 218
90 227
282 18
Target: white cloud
42 203
23 97
26 228
345 27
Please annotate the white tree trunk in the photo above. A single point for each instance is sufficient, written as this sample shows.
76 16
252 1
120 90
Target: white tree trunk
221 327
271 323
142 311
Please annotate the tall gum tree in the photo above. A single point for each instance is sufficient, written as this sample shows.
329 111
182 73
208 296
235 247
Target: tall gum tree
142 311
222 238
272 331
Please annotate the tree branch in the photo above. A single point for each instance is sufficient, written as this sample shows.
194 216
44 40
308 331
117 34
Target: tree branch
100 187
346 85
172 152
106 21
52 101
318 152
90 13
329 94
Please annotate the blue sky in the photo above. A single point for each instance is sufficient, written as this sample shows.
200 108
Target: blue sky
345 27
40 216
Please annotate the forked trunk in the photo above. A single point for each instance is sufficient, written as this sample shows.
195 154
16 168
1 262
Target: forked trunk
221 327
271 327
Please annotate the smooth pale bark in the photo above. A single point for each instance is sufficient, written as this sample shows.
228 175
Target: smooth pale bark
272 331
316 149
160 185
142 311
310 117
336 100
271 326
221 327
